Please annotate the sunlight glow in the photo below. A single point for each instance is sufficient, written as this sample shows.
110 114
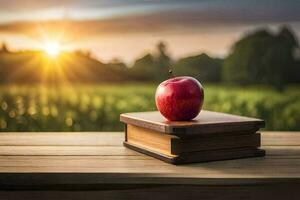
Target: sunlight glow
52 48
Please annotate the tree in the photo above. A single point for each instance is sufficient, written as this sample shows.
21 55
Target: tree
144 68
152 67
163 58
162 61
4 48
289 41
202 67
262 57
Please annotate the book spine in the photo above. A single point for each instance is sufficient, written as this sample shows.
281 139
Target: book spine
179 145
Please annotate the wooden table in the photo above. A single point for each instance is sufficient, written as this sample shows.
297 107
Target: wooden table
97 166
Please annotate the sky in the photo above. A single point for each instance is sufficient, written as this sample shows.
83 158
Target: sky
127 29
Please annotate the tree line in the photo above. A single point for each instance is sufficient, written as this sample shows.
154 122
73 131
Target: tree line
261 57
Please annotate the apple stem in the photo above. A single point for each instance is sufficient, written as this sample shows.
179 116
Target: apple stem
171 72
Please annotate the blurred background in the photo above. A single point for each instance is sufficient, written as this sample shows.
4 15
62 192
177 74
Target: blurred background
75 65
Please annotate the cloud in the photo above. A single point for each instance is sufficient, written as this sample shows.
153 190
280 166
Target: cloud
29 5
163 17
174 20
217 10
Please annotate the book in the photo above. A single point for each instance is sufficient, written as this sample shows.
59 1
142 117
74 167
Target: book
201 156
173 145
206 123
210 136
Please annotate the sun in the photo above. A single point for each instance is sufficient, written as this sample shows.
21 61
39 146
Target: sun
52 48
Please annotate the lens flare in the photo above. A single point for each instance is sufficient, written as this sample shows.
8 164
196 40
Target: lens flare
52 48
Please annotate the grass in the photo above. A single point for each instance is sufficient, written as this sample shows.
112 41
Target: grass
97 107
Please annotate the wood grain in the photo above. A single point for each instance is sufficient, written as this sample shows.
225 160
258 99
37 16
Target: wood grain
112 138
64 150
61 138
37 161
150 192
281 138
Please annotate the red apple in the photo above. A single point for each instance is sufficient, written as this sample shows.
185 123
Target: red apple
179 98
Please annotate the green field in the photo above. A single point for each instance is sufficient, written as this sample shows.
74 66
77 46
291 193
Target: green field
97 108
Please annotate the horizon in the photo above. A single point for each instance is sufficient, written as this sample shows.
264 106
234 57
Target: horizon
54 50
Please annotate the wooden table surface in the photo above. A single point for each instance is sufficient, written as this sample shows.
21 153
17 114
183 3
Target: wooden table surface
36 163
